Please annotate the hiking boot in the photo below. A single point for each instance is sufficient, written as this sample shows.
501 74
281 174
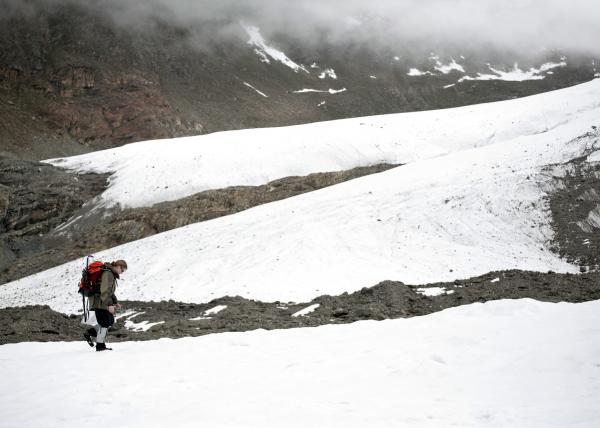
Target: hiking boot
88 338
102 347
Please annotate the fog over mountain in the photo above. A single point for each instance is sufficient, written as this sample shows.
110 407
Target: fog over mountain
80 75
516 26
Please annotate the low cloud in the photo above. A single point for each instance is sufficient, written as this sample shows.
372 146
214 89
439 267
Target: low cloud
517 26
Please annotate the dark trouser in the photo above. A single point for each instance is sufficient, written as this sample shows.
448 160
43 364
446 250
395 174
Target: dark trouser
105 320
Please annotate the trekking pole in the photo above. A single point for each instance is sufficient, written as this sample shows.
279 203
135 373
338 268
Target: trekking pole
83 301
86 311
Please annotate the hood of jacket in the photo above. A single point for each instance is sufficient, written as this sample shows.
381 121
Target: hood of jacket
113 269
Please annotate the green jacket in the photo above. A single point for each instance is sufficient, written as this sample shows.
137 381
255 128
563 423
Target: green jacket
108 286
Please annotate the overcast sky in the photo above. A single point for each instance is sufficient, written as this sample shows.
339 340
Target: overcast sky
517 25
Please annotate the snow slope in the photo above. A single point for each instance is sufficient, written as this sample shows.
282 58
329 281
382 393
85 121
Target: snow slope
511 363
265 51
153 171
438 219
594 157
516 74
513 75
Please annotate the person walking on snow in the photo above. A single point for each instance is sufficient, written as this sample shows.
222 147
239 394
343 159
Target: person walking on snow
105 304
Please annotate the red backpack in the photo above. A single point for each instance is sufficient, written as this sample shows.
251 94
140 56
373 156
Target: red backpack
89 285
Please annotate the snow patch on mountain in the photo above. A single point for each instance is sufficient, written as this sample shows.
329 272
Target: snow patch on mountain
516 74
262 56
434 291
513 75
416 72
265 51
446 68
256 90
306 310
215 310
329 72
438 66
594 157
329 91
141 326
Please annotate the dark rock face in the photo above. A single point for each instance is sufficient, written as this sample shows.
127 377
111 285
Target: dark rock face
38 207
386 300
34 199
71 81
216 203
575 206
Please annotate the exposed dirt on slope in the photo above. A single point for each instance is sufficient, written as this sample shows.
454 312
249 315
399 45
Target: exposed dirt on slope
386 300
108 229
575 206
34 199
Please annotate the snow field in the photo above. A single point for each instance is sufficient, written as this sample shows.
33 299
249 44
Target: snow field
511 363
149 172
594 157
459 209
453 216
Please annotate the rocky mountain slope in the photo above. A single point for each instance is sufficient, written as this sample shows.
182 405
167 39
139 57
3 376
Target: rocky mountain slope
71 80
35 198
482 198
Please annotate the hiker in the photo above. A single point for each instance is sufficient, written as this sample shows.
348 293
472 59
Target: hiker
105 304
